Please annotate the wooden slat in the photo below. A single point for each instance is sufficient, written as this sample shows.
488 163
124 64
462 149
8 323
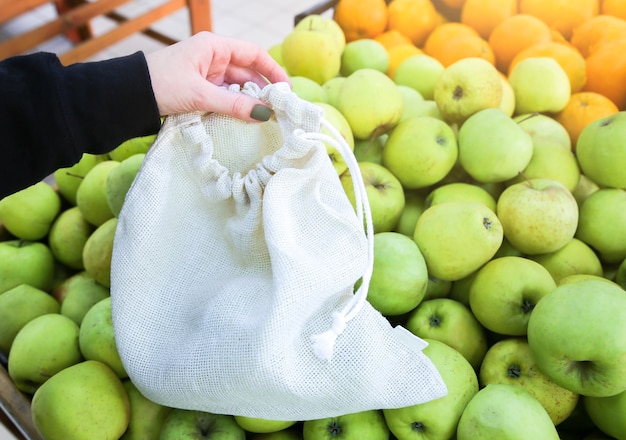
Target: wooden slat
200 15
12 8
16 406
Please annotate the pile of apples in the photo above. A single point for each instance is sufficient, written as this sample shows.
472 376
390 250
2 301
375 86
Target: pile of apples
497 240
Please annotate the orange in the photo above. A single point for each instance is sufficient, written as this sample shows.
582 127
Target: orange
596 31
444 33
616 8
514 34
562 15
413 18
566 55
583 108
361 18
392 38
464 47
484 15
453 4
399 53
606 70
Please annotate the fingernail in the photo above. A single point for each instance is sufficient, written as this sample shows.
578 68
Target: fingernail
261 113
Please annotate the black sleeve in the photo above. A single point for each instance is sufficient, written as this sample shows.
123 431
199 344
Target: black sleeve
51 114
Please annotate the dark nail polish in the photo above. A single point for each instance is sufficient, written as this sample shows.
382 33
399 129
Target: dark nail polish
261 113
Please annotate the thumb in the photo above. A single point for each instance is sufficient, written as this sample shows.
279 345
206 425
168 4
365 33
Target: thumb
240 106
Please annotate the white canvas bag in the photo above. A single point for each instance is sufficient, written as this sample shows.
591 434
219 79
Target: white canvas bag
234 265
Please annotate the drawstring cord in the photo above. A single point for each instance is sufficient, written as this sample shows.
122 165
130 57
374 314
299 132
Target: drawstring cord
324 343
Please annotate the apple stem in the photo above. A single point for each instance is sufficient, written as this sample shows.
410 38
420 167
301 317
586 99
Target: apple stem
75 175
21 243
530 116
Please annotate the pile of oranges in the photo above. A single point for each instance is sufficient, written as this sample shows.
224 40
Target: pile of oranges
586 37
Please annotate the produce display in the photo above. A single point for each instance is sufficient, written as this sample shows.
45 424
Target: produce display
491 136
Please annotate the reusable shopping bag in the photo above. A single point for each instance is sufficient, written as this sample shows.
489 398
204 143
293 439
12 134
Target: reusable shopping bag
234 268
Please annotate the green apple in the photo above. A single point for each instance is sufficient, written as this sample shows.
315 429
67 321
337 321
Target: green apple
420 72
363 53
67 237
578 423
507 101
540 85
119 180
492 147
96 337
308 89
28 214
607 413
506 290
602 224
575 335
44 346
544 130
414 205
505 411
98 252
82 402
412 102
276 52
575 257
437 419
370 150
312 53
420 151
259 425
574 278
427 107
601 151
68 179
339 122
182 424
456 238
26 262
509 361
538 215
551 162
130 147
91 196
437 288
384 191
331 89
460 289
620 275
460 191
78 293
20 305
293 433
584 188
453 323
507 250
363 425
466 87
322 23
146 416
399 276
371 102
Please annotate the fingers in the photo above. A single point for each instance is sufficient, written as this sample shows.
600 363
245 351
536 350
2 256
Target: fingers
236 104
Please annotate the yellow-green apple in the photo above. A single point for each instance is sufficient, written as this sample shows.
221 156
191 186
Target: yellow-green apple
82 402
538 215
26 262
78 293
420 151
371 102
506 290
544 130
313 53
130 147
540 85
456 238
68 179
91 196
67 237
492 147
182 424
427 107
620 275
574 278
325 24
365 425
509 361
507 101
459 289
466 87
363 53
607 413
506 249
44 346
262 426
414 205
146 416
339 122
602 224
576 257
293 433
584 188
119 180
19 306
601 151
399 275
505 411
96 337
460 191
575 335
29 213
437 288
98 252
451 322
331 89
276 52
437 419
420 72
384 191
370 150
308 89
412 100
551 162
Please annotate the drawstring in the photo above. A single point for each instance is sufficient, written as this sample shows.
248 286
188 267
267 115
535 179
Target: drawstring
324 343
